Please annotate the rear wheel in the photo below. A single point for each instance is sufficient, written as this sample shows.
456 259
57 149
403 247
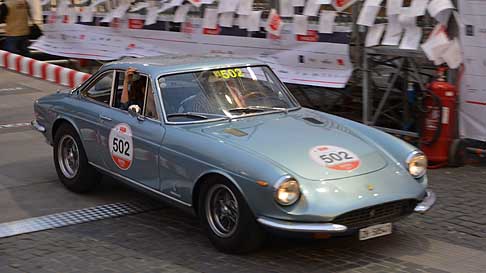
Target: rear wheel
230 224
71 162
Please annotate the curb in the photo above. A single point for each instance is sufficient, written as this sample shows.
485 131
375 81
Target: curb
42 70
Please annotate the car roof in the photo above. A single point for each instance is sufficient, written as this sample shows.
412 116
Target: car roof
166 64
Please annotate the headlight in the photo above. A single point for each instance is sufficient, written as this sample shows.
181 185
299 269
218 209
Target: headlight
287 191
417 164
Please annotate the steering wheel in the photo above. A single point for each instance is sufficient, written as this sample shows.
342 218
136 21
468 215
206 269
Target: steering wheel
183 102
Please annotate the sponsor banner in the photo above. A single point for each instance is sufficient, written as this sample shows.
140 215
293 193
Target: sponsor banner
472 114
313 59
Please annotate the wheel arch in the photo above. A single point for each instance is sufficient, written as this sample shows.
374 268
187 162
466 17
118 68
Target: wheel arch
205 178
60 121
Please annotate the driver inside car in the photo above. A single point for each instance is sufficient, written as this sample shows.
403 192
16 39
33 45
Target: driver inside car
134 87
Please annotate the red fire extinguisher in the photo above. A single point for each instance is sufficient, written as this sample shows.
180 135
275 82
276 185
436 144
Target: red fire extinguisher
438 128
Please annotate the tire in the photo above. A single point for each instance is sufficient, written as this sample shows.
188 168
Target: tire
78 177
246 236
457 153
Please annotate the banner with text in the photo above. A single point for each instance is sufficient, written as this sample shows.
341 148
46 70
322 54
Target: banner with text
472 115
314 59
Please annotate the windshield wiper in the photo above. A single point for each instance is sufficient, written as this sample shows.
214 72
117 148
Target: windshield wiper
256 109
246 110
187 114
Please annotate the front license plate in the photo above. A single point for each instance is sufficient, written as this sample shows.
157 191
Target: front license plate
375 231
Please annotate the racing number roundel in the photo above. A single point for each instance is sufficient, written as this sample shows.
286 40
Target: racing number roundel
335 158
121 145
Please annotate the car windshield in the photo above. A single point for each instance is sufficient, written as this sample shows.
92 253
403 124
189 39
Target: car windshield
223 93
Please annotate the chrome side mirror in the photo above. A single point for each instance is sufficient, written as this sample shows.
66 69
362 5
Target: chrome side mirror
134 110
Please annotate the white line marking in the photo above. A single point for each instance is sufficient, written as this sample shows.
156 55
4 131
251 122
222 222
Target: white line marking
11 89
14 125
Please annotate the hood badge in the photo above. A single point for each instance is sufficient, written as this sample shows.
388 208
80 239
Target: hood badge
372 213
370 187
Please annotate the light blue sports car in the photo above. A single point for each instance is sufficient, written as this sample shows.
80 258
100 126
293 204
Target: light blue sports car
225 139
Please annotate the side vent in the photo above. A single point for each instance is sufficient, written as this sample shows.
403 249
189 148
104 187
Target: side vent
313 120
235 132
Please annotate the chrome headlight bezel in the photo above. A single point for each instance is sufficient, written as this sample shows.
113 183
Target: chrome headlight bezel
412 159
285 183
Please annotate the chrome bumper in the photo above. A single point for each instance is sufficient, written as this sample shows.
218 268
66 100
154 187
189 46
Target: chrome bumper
427 203
301 227
35 125
422 207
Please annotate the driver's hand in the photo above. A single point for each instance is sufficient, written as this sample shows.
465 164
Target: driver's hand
129 73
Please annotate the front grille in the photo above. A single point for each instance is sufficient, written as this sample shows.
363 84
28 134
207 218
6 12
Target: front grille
383 213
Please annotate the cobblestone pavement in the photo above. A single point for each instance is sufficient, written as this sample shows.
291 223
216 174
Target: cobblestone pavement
165 241
169 241
459 216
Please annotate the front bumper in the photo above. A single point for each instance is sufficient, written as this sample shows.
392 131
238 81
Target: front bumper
331 228
35 125
302 227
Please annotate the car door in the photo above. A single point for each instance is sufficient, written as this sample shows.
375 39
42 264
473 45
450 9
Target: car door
131 142
94 98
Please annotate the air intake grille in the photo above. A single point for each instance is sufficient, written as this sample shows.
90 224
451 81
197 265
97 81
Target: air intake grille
383 213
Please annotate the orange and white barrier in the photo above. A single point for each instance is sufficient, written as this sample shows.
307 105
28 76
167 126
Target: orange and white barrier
46 71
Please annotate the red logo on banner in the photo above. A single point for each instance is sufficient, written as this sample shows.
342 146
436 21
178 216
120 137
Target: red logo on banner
275 22
340 61
312 36
212 31
135 23
340 3
65 19
82 36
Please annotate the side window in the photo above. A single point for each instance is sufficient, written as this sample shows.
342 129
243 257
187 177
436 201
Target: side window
136 91
150 110
100 90
119 77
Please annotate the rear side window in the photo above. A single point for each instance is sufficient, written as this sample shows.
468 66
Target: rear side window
100 90
150 110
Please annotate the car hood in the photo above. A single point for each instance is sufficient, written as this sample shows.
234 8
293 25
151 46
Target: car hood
301 142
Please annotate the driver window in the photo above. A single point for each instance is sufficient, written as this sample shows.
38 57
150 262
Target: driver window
136 91
100 90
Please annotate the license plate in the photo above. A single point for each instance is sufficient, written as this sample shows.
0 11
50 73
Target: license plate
375 231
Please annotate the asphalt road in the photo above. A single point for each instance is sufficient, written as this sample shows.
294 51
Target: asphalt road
451 238
28 182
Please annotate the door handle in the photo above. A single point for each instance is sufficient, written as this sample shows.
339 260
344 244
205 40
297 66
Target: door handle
105 118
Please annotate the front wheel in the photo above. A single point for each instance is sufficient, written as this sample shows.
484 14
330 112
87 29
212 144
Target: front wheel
71 162
230 224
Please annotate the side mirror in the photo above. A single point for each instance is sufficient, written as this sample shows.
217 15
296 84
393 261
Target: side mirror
134 110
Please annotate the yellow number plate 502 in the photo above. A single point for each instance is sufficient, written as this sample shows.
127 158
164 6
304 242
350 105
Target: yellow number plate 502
228 73
375 231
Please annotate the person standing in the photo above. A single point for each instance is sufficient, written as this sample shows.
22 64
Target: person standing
16 14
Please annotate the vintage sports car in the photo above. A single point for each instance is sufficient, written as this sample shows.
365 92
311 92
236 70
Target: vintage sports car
225 139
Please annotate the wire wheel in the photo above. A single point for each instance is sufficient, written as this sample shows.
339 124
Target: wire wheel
68 156
222 211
